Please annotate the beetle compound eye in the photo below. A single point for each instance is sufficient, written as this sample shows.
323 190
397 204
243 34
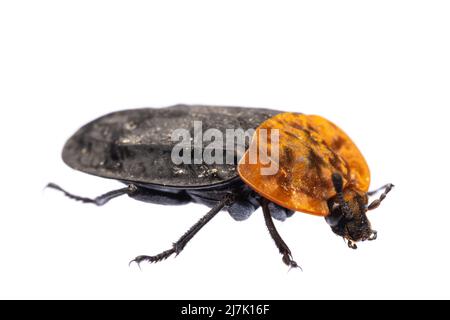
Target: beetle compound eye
333 219
335 215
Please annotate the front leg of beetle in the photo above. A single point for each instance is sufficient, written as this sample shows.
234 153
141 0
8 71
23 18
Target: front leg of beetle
279 242
376 203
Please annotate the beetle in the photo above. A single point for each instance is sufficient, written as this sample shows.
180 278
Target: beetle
320 170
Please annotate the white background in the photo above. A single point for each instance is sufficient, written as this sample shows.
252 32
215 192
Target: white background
379 69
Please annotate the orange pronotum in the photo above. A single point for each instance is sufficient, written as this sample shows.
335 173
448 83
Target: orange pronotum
311 149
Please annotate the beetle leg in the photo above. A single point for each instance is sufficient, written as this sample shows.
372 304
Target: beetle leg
178 246
279 242
374 192
100 200
376 203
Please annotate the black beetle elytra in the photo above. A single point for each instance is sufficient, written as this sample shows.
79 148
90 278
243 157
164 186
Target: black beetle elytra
134 147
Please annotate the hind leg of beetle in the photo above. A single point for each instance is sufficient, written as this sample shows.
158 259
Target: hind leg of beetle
376 203
178 246
279 242
100 200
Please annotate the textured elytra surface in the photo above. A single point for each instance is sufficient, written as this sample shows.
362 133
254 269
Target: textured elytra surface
136 145
311 149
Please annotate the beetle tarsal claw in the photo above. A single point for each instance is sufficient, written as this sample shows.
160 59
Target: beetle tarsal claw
153 259
294 265
373 236
288 260
135 261
352 245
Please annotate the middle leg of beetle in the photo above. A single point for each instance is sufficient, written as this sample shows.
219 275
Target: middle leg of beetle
178 246
279 242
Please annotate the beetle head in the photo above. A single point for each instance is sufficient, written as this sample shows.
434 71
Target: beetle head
347 216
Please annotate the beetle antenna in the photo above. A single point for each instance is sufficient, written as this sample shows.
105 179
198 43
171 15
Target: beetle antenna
338 186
